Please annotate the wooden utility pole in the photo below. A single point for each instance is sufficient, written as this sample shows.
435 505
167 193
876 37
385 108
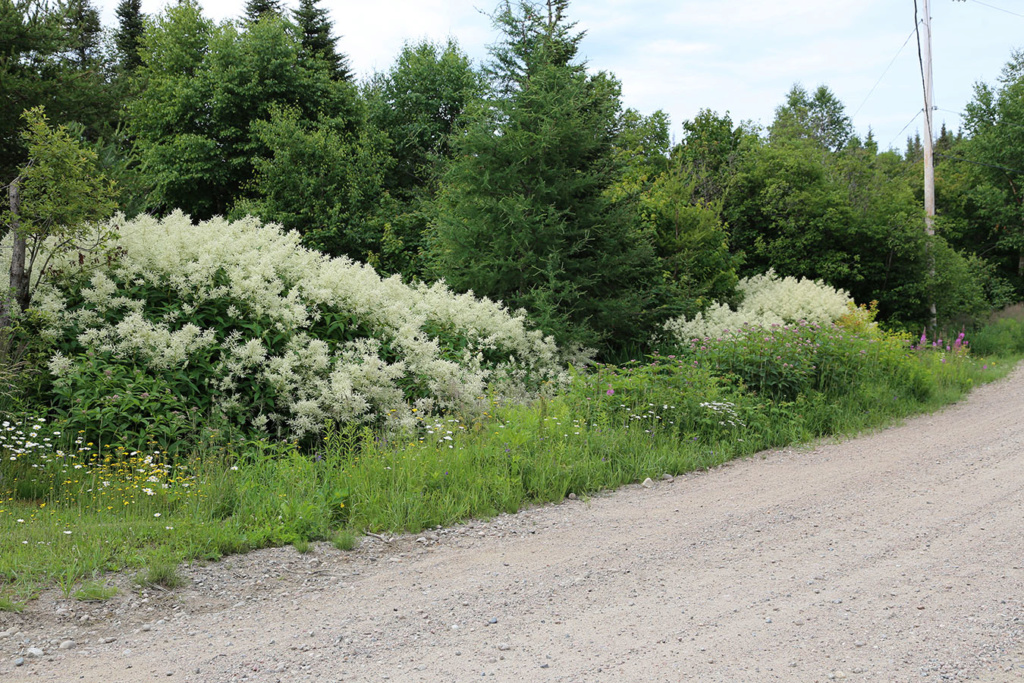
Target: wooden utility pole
929 159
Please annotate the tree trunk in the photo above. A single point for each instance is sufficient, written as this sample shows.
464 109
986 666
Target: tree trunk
17 295
19 275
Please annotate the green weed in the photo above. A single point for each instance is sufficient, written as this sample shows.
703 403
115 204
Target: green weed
345 539
95 591
161 569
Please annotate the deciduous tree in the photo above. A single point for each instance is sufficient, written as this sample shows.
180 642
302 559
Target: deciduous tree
994 153
50 204
819 118
203 88
419 104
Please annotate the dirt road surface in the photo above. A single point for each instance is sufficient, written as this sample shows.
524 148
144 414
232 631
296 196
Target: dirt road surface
896 556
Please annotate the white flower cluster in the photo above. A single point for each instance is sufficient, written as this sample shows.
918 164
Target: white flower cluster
727 410
767 300
265 273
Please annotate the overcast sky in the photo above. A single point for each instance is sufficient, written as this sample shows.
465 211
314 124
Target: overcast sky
736 56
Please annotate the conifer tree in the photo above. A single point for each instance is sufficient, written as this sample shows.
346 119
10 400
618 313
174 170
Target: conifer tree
49 54
31 33
524 213
131 25
317 41
82 26
256 9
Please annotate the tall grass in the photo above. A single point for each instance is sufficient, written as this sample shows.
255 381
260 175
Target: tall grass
1005 334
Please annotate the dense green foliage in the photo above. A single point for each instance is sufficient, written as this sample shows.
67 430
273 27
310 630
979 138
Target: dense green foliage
419 104
338 202
202 89
49 56
981 174
524 213
521 179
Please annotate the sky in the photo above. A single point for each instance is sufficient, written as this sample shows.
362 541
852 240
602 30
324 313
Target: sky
735 56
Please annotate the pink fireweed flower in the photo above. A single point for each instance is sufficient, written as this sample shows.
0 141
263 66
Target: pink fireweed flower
959 341
610 392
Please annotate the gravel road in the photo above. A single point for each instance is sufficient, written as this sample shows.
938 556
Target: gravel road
896 556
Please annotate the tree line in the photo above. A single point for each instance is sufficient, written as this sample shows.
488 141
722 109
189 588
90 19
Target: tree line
522 179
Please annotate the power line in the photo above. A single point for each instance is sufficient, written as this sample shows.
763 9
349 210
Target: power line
981 163
898 52
919 112
985 4
994 124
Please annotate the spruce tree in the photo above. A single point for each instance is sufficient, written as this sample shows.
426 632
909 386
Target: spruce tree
256 9
49 54
535 35
524 213
131 25
317 41
31 35
82 26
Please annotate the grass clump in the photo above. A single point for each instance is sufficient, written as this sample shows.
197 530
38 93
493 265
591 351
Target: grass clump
161 569
1003 335
11 605
345 539
95 591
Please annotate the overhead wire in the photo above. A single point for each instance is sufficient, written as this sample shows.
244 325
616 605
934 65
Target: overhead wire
919 112
980 163
898 52
920 61
985 4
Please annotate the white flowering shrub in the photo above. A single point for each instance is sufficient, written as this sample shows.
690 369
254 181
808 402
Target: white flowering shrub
767 300
248 325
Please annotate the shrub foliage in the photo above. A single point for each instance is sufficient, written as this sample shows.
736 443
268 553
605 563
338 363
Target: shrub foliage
768 300
239 324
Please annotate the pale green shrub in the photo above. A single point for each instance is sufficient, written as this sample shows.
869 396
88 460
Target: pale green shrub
251 313
767 300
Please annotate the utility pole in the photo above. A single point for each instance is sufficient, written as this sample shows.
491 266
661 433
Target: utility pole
929 159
